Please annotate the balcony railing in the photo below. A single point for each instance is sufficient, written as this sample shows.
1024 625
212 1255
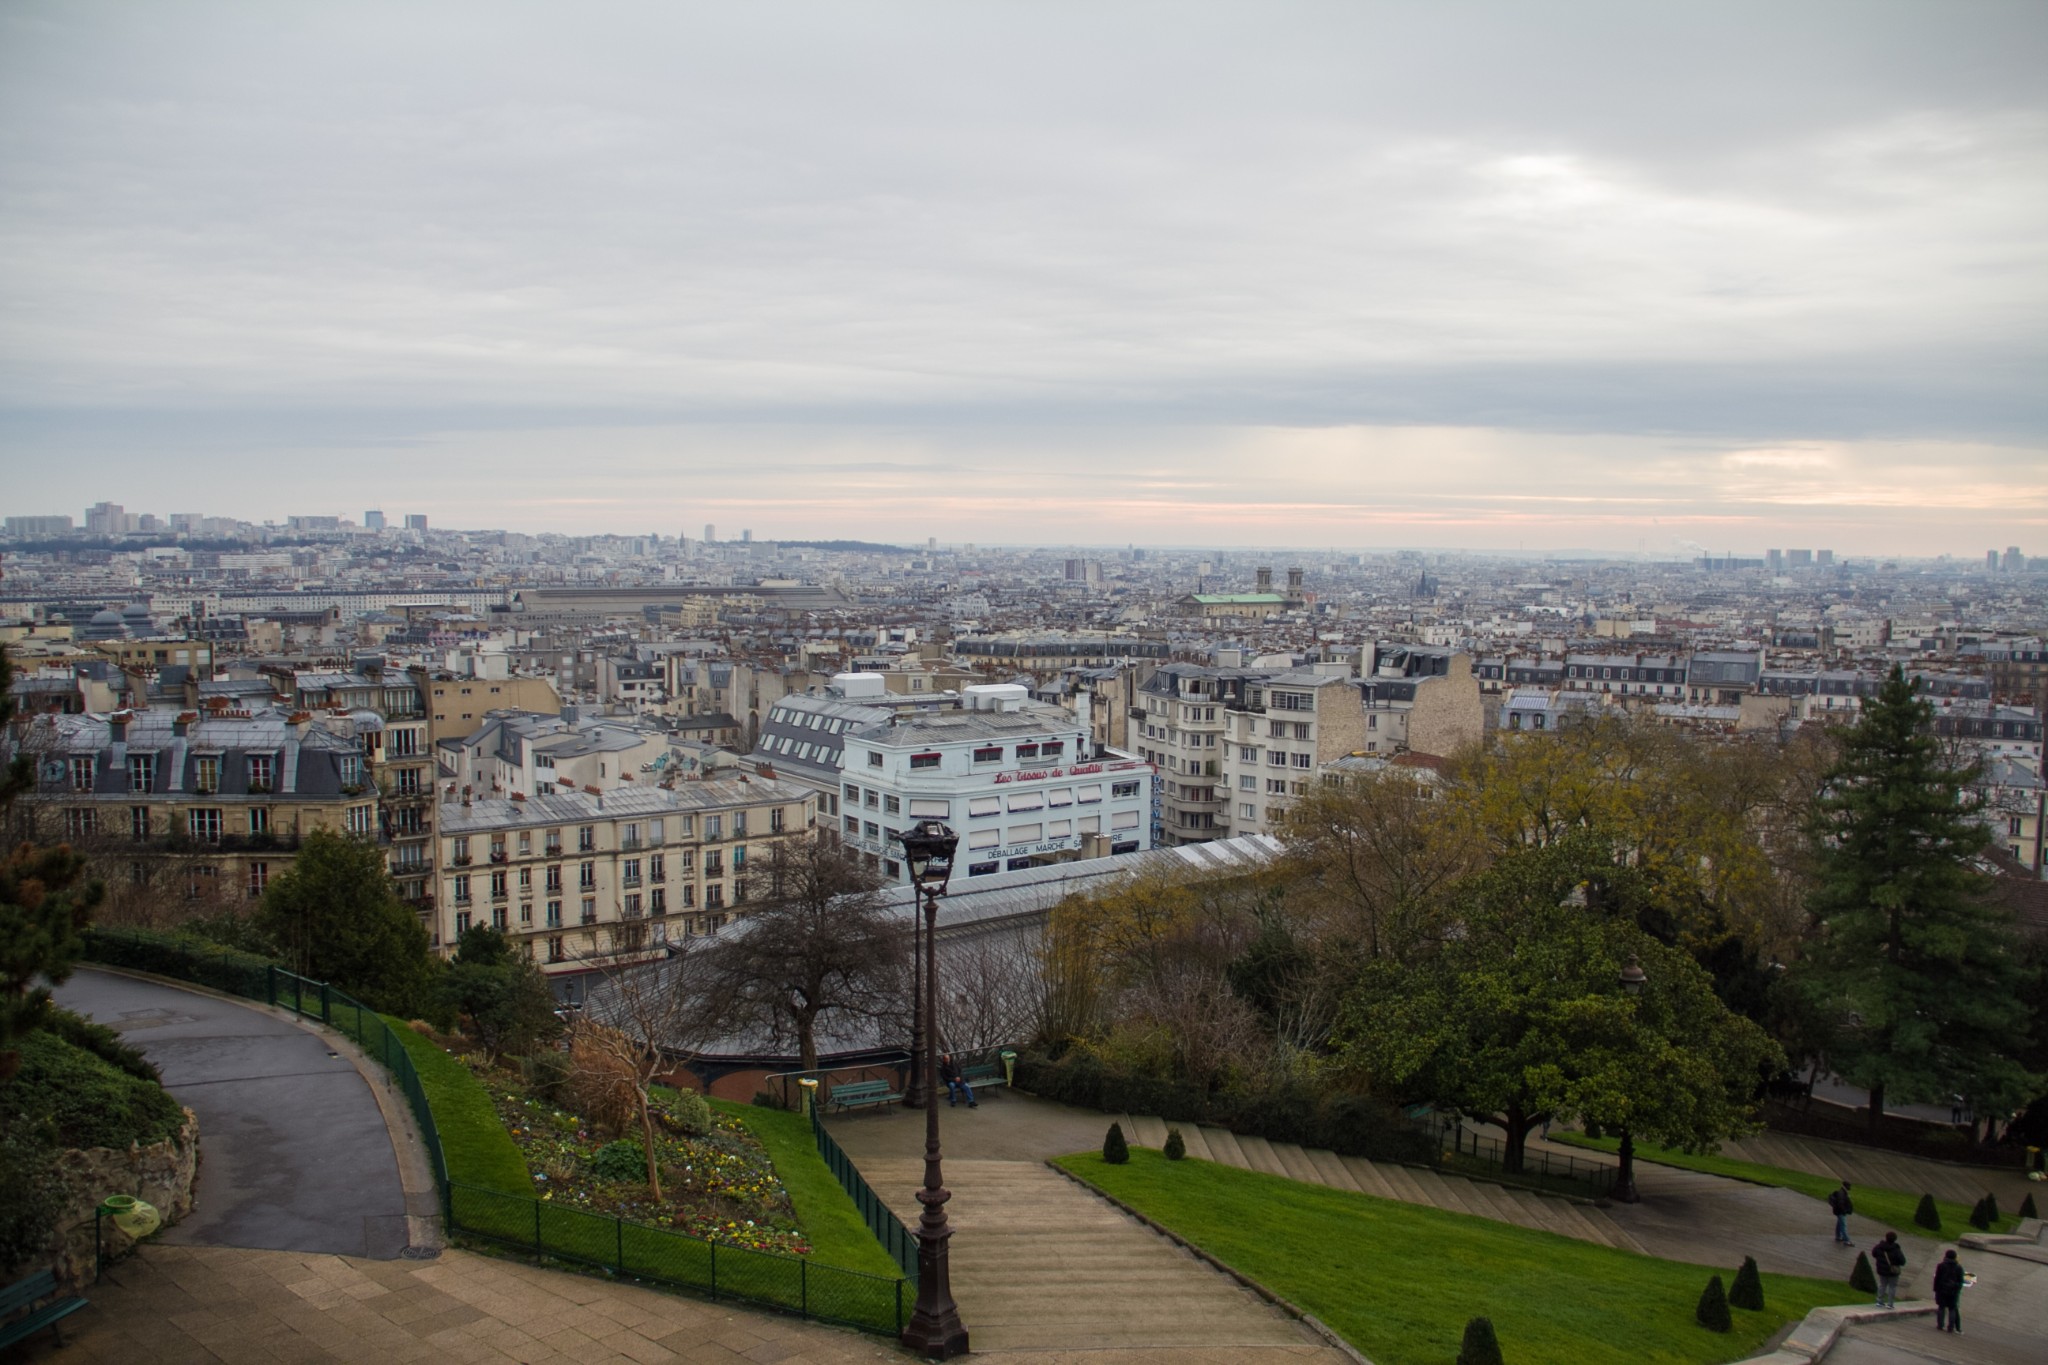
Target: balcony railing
462 860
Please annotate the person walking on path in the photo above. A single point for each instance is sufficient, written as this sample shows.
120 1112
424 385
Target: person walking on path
1888 1258
1841 1206
1948 1294
957 1087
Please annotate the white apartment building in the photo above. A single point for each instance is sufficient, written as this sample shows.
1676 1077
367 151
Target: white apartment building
1020 782
1234 745
581 880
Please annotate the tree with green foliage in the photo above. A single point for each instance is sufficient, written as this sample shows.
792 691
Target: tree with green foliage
1480 1346
1176 1147
1926 1215
1748 1289
1522 1014
1712 1312
1983 1214
500 993
1115 1150
46 901
336 917
1912 968
2027 1209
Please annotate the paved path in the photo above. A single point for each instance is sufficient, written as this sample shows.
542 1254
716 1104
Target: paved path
294 1154
1886 1170
1042 1269
2005 1317
184 1305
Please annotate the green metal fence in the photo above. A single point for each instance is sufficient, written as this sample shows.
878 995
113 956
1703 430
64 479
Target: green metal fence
882 1222
790 1284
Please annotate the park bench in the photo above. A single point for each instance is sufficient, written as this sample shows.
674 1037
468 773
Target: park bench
983 1075
861 1094
23 1293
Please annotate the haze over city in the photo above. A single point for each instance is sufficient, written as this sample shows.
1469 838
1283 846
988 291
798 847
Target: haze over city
1499 277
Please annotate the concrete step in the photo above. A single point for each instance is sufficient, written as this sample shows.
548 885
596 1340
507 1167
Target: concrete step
1332 1169
1259 1154
1146 1131
1294 1160
1371 1179
1401 1180
1223 1144
1197 1143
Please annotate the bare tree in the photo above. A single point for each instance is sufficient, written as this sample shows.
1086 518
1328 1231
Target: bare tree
632 1025
989 990
822 942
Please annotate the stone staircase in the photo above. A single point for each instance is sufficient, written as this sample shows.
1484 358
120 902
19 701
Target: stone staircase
1387 1180
1040 1265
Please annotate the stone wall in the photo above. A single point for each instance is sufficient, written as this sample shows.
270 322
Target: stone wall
160 1173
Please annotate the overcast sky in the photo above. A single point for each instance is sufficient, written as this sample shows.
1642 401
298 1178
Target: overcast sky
1629 275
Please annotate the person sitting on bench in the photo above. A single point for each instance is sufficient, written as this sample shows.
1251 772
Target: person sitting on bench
956 1084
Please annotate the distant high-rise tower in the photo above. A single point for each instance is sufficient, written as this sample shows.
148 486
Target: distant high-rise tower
2015 562
710 534
746 537
1774 560
415 521
931 544
1823 556
1799 559
1991 561
373 520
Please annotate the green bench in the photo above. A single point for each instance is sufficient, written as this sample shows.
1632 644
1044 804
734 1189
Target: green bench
21 1294
861 1094
983 1075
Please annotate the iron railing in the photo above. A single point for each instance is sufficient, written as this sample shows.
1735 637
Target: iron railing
881 1220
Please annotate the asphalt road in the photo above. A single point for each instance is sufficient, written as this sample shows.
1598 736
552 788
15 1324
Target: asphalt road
294 1155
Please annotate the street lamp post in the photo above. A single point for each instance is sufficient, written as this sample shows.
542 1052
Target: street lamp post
935 1329
1633 979
914 1091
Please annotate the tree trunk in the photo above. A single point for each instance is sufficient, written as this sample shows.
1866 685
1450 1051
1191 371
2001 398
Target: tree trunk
647 1139
806 1041
1876 1105
1515 1127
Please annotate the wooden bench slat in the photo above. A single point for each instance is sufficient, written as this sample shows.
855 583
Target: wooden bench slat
38 1320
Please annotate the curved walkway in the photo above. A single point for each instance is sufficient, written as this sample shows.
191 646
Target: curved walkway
294 1152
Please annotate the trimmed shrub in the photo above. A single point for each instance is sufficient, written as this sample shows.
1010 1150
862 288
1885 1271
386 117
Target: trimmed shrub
1980 1214
1713 1308
547 1075
1748 1289
103 1043
36 1193
1114 1149
1176 1145
1926 1215
687 1113
2027 1206
1350 1125
1991 1206
1481 1346
183 956
620 1160
85 1101
1862 1278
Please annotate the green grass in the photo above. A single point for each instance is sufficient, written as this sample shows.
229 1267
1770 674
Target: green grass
478 1149
1399 1281
829 1219
1893 1208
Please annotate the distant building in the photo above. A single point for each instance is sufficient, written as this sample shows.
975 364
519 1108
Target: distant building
25 527
415 521
373 520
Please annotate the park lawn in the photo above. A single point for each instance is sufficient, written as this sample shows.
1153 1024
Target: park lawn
1893 1208
823 1209
473 1140
1399 1281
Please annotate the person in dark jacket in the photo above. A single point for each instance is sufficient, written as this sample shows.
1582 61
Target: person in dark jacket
957 1087
1888 1258
1839 1204
1948 1293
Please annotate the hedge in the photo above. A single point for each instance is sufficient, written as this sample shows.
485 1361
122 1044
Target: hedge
87 1101
1353 1125
184 956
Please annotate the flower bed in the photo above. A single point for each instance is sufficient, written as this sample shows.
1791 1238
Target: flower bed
718 1185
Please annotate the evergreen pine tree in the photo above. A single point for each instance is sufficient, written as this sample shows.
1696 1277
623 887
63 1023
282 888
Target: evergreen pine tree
1481 1346
2027 1206
45 904
1914 971
1713 1310
1862 1278
1114 1149
1176 1145
1748 1289
1926 1215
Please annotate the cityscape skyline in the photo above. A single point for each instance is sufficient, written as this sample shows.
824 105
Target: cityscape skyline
1605 276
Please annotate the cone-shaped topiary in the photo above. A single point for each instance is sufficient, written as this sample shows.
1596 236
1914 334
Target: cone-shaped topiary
1748 1289
1114 1149
1176 1145
1991 1206
2027 1206
1926 1215
1980 1215
1861 1277
1713 1309
1480 1347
